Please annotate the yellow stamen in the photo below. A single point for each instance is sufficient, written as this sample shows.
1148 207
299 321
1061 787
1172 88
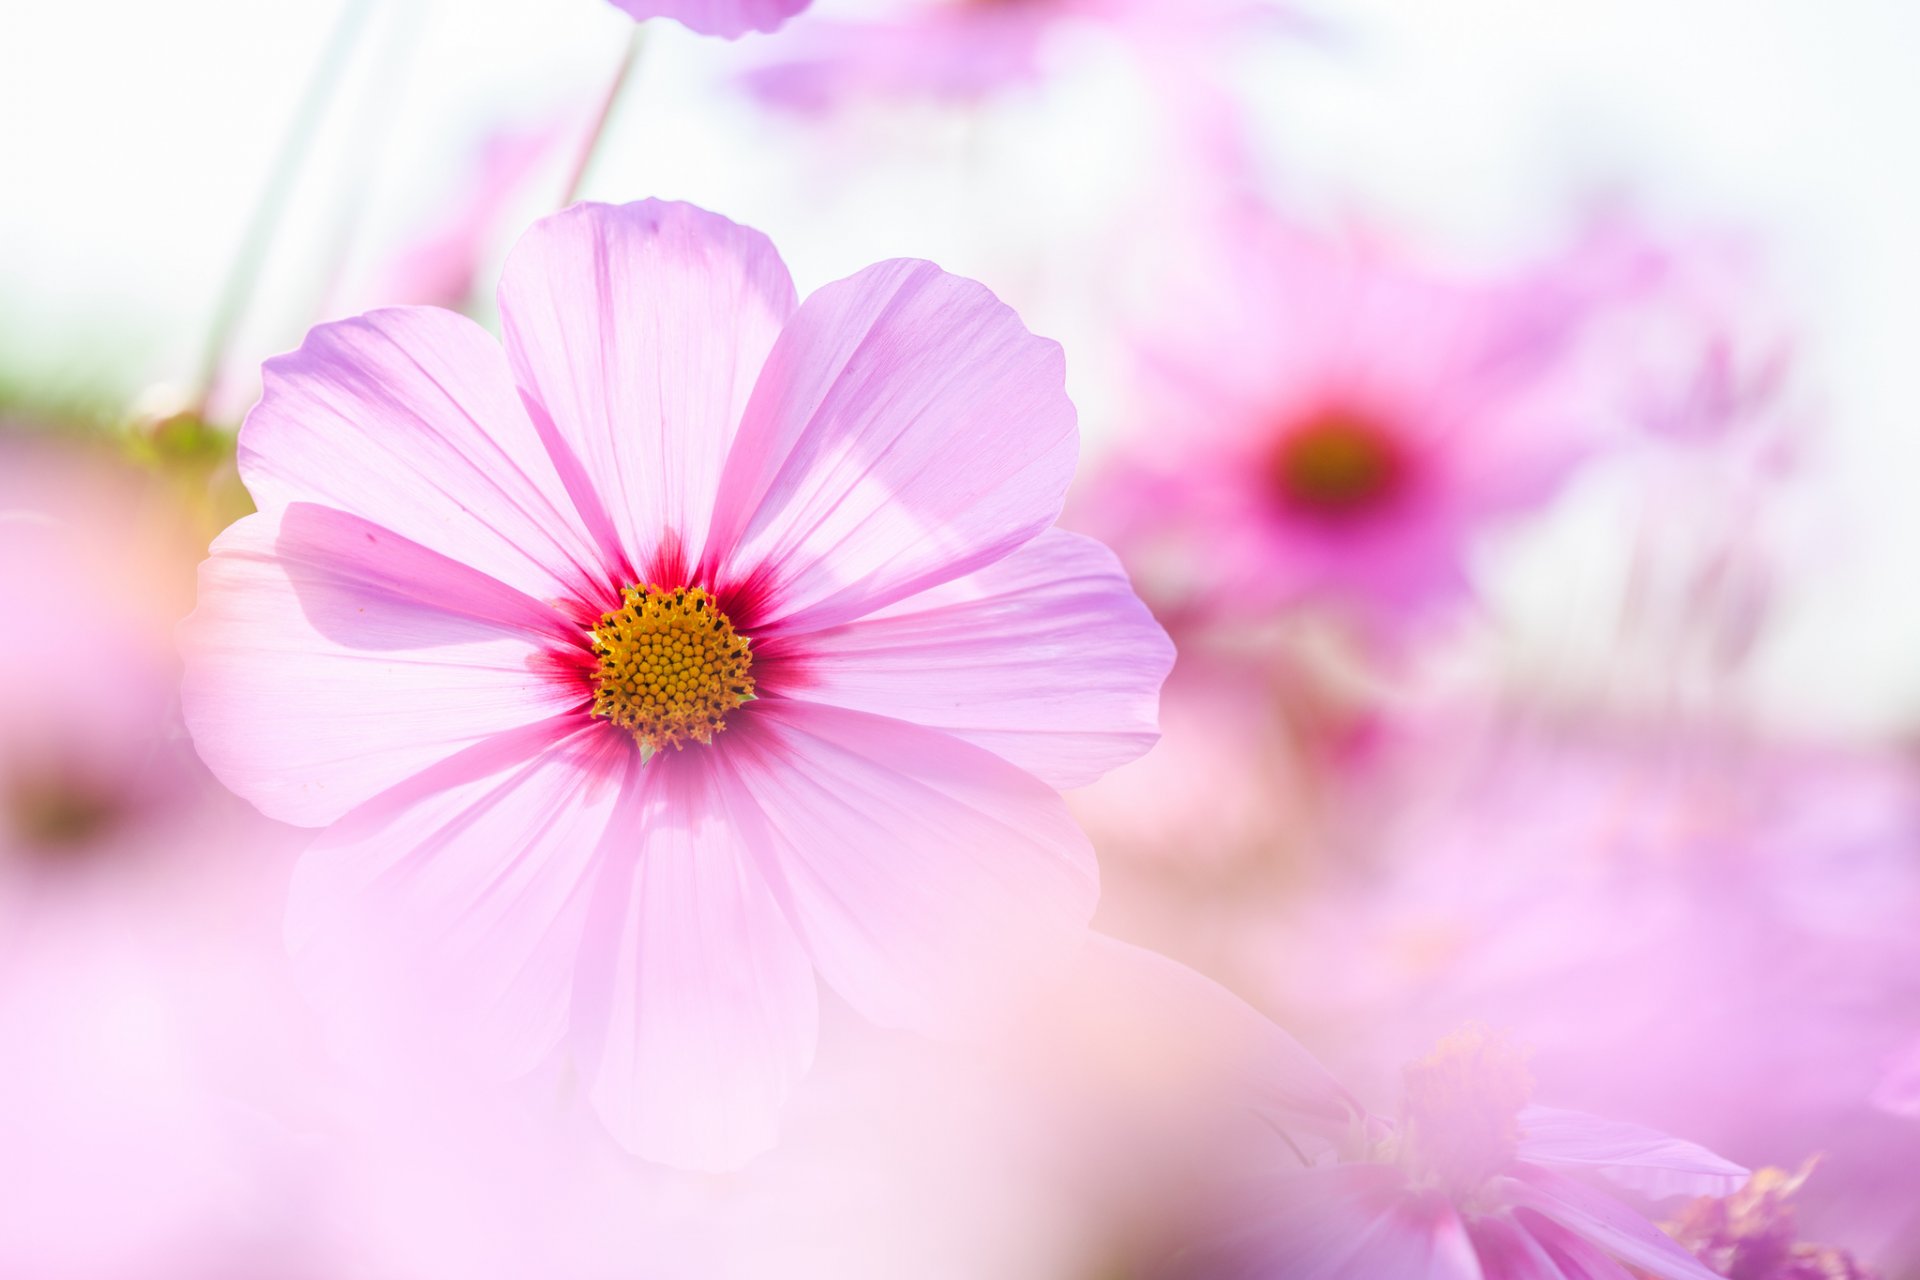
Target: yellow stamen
1463 1108
671 666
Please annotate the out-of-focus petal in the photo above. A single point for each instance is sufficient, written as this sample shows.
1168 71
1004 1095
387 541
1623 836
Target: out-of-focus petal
907 430
929 879
408 418
330 659
694 1005
1045 658
1630 1156
1601 1220
729 18
1576 1259
1508 1253
1342 1222
636 332
439 922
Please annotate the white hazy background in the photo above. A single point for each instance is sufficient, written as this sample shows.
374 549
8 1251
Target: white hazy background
135 139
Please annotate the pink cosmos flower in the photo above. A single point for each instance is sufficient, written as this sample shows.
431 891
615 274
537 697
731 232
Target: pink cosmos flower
1333 422
698 643
1469 1183
729 18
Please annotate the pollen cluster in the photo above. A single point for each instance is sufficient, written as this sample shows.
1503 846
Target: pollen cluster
671 666
1463 1109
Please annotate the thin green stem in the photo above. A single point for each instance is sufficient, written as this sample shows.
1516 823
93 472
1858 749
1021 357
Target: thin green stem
237 289
590 147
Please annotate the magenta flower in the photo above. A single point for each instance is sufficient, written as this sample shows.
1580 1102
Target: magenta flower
700 643
963 50
1470 1183
729 18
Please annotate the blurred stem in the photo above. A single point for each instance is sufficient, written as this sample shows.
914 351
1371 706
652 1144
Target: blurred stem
244 274
368 144
590 147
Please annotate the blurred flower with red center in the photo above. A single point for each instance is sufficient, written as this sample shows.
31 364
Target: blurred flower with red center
1336 422
1471 1181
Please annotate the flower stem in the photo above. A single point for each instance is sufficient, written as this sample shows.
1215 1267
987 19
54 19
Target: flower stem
590 147
237 290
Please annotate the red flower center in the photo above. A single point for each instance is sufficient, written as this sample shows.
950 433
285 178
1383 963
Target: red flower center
1337 465
671 667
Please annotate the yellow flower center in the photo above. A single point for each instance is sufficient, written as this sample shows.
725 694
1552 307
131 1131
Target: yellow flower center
671 666
1463 1108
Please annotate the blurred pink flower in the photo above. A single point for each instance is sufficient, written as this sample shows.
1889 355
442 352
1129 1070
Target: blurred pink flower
440 266
959 50
86 671
488 601
150 1047
1331 422
729 18
1899 1089
1470 1182
1735 916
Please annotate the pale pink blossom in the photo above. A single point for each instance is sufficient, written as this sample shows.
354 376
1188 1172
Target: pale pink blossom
729 18
440 264
697 644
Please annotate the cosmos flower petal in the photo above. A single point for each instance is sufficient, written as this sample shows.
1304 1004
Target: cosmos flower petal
636 332
1601 1220
439 922
729 18
907 430
1632 1157
1343 1222
407 417
927 878
330 659
1045 658
694 1006
1508 1253
1576 1259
